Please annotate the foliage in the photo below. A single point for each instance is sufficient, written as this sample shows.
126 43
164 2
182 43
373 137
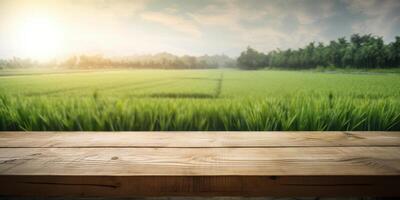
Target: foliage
157 61
364 51
17 63
251 59
180 100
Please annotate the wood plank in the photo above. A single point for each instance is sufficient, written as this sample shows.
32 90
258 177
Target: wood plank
130 186
289 161
127 164
197 139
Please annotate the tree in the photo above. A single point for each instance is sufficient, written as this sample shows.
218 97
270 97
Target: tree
360 51
252 59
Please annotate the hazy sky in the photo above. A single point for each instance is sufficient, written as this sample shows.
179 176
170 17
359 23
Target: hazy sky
43 29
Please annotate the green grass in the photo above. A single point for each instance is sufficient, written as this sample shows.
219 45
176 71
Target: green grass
199 100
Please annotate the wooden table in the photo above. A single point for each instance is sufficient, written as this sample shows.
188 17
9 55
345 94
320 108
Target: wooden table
121 164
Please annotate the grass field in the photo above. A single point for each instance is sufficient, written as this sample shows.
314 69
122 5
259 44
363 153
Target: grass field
199 100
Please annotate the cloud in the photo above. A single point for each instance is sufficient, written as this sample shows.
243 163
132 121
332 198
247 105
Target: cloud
266 25
206 26
380 17
175 22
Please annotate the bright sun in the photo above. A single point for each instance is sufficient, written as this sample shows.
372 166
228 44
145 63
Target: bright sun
39 37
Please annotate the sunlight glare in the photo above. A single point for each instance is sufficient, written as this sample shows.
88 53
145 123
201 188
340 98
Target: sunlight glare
39 37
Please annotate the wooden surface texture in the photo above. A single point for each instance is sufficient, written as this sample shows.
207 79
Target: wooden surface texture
122 164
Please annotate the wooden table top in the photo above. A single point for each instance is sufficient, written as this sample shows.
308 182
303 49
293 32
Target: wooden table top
39 156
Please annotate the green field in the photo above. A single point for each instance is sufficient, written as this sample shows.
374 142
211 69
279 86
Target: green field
199 100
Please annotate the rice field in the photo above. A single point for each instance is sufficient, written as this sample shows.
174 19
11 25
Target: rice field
199 100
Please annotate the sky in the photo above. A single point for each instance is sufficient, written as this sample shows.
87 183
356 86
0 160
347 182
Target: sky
44 29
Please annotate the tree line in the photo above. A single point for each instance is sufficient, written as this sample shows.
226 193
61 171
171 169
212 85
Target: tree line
156 61
359 51
18 63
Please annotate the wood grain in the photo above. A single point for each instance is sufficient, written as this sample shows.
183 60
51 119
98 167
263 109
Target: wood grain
126 164
197 139
311 161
